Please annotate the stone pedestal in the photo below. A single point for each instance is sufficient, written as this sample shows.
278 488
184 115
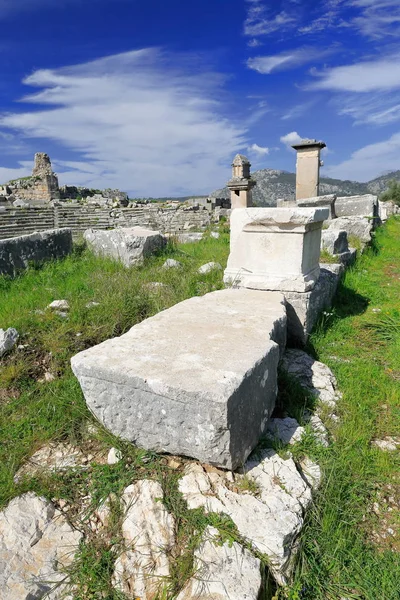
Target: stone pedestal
241 183
307 168
275 248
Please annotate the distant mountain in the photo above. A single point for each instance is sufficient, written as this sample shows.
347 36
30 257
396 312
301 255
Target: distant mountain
273 184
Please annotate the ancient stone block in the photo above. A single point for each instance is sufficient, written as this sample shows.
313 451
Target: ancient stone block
198 379
275 248
8 339
327 201
334 241
357 206
304 308
359 227
16 253
128 245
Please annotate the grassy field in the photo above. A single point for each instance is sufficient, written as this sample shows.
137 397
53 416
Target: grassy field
350 545
347 548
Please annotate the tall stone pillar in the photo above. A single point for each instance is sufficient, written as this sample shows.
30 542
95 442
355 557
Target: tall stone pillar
241 183
307 168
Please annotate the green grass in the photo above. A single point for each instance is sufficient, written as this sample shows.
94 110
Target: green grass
340 555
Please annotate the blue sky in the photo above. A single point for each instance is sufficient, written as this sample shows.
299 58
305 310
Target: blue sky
156 97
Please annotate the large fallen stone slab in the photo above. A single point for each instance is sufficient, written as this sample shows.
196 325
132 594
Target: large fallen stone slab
17 253
148 536
357 206
271 520
36 544
130 245
198 379
223 571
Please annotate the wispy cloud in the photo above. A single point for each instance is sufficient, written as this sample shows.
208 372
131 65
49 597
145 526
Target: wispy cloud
135 121
298 110
373 158
378 18
373 109
288 60
261 20
366 76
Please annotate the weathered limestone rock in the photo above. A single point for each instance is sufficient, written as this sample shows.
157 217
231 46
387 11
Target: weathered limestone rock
198 379
334 241
215 235
59 305
327 201
208 267
52 457
271 520
304 308
388 444
286 430
128 245
171 263
114 456
8 339
312 375
223 571
275 248
359 227
16 253
148 532
36 543
357 206
189 238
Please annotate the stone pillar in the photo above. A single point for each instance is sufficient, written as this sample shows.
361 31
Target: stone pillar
241 183
275 248
307 168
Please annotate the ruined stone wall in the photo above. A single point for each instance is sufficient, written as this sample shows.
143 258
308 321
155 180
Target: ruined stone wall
41 187
19 221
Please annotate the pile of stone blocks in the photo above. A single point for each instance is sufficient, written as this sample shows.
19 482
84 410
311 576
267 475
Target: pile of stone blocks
129 245
17 253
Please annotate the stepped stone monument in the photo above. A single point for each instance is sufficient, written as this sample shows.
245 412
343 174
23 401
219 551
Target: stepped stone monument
241 183
275 248
307 168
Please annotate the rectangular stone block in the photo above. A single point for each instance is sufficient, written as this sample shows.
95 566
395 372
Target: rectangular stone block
357 206
198 379
130 245
304 309
275 248
16 253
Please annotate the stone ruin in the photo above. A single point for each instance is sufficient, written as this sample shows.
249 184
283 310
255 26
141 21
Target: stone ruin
40 188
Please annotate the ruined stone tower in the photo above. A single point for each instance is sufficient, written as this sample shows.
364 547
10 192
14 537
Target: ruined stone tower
42 187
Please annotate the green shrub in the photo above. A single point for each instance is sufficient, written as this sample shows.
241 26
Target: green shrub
392 194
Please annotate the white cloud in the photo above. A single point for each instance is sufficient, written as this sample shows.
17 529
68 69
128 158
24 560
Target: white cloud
287 60
135 121
259 22
378 18
367 76
291 138
298 110
258 149
374 109
369 161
